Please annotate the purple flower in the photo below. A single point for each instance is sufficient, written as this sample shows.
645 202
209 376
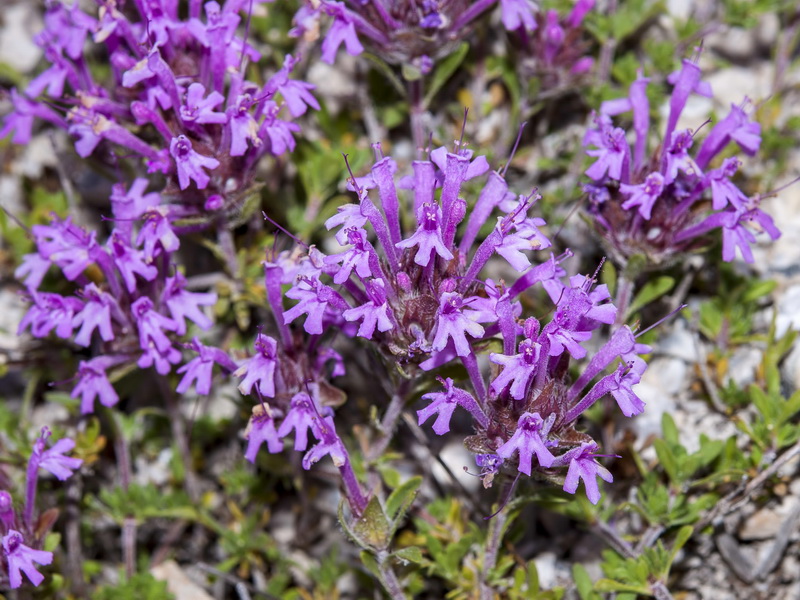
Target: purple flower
342 31
516 14
183 304
330 444
452 323
243 127
297 94
261 429
314 297
197 109
93 383
428 236
301 417
53 459
723 190
358 257
528 440
7 515
613 155
48 312
96 314
156 233
198 370
518 369
678 159
21 558
260 368
583 465
161 358
374 313
644 195
444 403
151 325
190 164
129 262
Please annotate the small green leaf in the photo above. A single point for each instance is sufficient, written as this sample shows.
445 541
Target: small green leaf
583 583
444 70
651 291
609 585
370 563
401 498
373 528
411 553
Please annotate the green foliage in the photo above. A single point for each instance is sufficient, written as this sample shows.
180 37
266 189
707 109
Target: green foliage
727 318
142 586
629 18
681 466
637 574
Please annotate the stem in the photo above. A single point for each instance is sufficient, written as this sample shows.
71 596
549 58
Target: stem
122 452
226 244
416 109
496 526
72 531
358 502
181 439
389 422
32 479
623 299
389 578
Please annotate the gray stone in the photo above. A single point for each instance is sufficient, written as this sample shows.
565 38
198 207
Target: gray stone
765 524
20 23
743 364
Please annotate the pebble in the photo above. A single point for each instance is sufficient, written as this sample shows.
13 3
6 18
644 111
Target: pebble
742 365
788 306
731 85
679 343
456 457
21 22
178 583
765 523
546 568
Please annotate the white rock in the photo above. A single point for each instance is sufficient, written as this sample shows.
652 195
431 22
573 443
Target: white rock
731 85
456 457
790 370
21 23
765 524
742 366
546 568
680 343
666 374
157 472
736 43
35 156
178 582
788 306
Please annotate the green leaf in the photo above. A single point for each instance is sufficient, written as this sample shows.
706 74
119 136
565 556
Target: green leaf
651 291
583 583
411 554
401 498
609 585
370 563
444 70
373 528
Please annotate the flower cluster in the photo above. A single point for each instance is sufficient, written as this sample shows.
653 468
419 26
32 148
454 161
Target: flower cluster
409 32
657 205
415 296
137 307
177 102
556 51
21 534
